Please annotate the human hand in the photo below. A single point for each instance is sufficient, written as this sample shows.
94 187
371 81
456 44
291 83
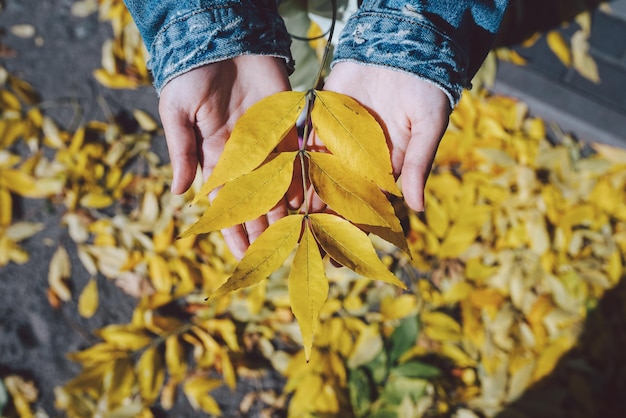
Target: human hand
199 109
412 112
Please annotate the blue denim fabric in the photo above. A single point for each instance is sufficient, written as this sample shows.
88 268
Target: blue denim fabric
184 34
441 41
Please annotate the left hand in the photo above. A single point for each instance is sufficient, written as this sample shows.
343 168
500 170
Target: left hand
413 113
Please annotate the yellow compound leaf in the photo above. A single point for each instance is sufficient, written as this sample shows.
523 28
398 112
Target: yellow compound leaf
265 254
350 247
350 195
350 132
88 299
254 137
248 196
150 374
560 48
308 288
197 391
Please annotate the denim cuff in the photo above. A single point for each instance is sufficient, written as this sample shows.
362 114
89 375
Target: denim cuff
226 30
405 41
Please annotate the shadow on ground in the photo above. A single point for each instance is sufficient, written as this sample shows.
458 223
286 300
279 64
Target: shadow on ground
590 380
525 17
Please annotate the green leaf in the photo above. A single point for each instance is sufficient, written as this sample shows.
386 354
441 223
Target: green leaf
403 338
350 132
265 254
247 197
397 389
254 137
350 247
350 195
4 396
378 367
308 288
416 370
361 390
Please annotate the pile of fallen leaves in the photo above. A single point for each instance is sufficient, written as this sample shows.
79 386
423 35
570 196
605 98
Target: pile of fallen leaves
523 233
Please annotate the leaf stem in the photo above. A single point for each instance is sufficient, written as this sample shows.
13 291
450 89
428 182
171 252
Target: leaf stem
310 98
319 79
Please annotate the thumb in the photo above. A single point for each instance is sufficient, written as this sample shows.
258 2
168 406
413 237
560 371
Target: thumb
417 164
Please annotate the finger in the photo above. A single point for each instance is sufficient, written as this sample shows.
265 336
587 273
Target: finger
418 161
237 240
182 146
279 211
255 228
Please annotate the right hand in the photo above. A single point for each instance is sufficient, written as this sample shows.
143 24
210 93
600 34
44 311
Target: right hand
199 109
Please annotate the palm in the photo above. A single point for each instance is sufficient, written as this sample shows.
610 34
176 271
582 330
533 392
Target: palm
412 112
199 109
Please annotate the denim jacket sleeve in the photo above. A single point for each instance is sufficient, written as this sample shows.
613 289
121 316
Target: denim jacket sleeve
441 41
182 35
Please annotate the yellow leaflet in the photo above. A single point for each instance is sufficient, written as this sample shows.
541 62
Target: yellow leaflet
560 48
175 358
197 391
550 356
24 91
19 183
308 288
350 195
254 137
96 200
6 207
122 383
349 131
9 101
150 374
392 308
247 197
19 231
265 254
125 337
582 60
114 81
88 299
145 121
350 247
160 274
458 239
59 271
397 238
436 215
